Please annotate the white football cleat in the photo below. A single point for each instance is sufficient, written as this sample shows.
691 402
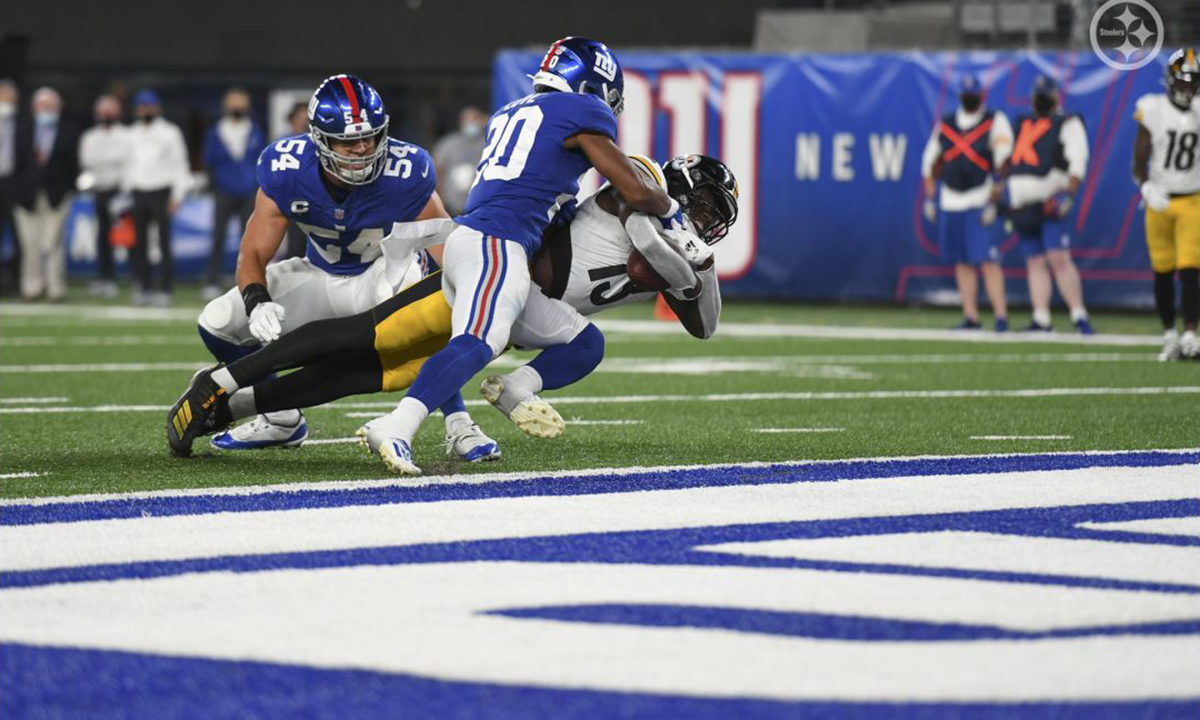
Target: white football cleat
396 454
1189 348
1171 347
261 433
533 415
468 442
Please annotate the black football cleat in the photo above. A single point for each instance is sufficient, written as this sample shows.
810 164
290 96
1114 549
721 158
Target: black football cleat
202 410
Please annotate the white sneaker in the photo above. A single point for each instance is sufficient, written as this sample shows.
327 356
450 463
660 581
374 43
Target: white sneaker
533 415
261 433
468 442
1171 350
1189 348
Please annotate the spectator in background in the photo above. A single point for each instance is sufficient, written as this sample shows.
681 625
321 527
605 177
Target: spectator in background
158 175
966 147
103 151
231 152
456 156
1047 166
297 120
9 274
47 165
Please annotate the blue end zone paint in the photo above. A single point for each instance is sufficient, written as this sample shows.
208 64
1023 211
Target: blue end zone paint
580 485
678 547
67 684
821 626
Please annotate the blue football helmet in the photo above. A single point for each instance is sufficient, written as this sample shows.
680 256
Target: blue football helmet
580 65
345 108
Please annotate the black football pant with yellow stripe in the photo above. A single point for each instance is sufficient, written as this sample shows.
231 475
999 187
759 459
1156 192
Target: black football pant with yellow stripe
380 349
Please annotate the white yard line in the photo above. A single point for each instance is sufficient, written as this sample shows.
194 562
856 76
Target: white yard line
768 330
774 430
331 441
1021 437
97 340
33 400
479 478
11 476
98 312
718 398
74 368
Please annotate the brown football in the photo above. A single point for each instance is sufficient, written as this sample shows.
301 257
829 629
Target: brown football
642 274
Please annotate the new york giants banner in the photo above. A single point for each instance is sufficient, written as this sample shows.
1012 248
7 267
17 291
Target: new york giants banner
827 150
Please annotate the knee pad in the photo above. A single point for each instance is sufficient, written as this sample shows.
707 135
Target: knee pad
222 319
591 340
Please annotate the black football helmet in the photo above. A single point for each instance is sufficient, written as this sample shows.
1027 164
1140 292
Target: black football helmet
706 190
1183 77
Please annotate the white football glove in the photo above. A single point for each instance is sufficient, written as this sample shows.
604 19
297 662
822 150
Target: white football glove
1156 198
693 249
930 209
266 321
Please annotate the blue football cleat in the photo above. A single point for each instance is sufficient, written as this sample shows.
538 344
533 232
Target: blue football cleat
1033 326
1084 327
1001 324
967 324
261 433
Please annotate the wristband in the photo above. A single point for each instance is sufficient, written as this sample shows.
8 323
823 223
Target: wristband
253 295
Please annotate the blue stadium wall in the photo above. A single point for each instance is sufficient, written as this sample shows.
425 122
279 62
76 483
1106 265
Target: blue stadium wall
827 149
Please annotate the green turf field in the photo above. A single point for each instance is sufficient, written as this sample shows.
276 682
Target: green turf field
77 417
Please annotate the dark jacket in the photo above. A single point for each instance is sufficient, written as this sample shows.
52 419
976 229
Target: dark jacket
233 177
57 176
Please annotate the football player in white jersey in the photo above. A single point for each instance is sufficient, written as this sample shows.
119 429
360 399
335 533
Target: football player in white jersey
1166 169
583 268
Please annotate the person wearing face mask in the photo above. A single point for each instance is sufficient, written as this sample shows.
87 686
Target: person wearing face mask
103 150
9 269
46 168
158 175
231 150
962 153
1043 177
456 156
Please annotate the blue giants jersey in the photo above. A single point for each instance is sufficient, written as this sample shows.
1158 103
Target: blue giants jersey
525 173
343 237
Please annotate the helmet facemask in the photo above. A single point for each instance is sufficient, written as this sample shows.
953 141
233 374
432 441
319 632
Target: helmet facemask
1182 89
712 209
352 169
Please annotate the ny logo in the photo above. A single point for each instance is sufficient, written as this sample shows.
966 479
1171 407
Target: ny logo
606 66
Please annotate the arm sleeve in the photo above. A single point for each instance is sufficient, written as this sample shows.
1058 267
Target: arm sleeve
1001 139
700 316
1075 146
668 263
932 150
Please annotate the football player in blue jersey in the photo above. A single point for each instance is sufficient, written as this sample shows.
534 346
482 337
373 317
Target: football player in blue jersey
344 184
537 147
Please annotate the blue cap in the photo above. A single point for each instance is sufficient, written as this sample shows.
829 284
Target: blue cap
969 85
1044 85
146 97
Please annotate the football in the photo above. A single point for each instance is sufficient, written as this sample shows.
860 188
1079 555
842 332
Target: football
643 274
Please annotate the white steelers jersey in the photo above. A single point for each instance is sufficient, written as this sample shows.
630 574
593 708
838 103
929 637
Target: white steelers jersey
597 253
1175 138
